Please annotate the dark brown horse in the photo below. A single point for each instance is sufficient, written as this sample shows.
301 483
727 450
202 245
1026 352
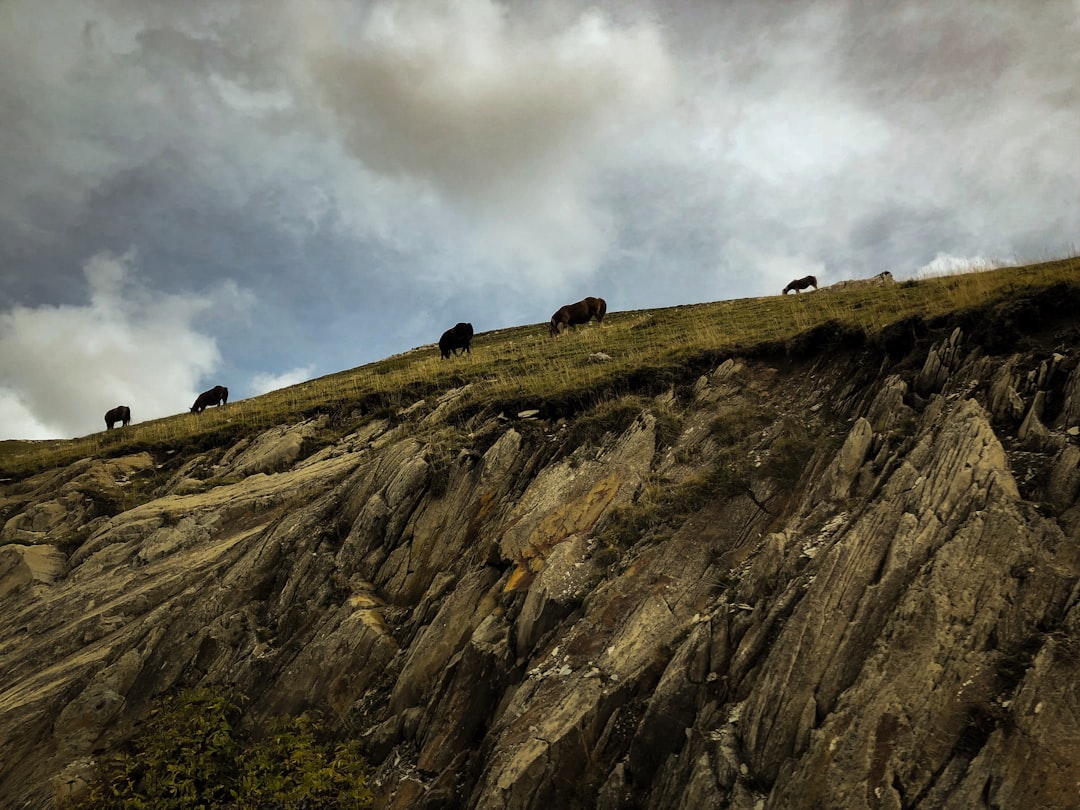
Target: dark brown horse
579 313
800 284
121 413
457 339
218 395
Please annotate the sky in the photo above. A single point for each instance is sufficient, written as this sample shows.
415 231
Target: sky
254 193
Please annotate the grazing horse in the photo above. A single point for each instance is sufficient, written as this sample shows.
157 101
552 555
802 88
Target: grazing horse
457 339
121 413
218 395
800 284
579 313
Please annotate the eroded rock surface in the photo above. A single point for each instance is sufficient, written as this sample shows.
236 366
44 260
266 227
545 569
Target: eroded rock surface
836 582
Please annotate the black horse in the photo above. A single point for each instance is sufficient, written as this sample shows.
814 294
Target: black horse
121 413
457 339
218 395
800 284
579 313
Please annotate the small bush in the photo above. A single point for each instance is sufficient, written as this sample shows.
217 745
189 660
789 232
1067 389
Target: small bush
611 417
187 756
291 770
191 755
787 459
735 425
663 507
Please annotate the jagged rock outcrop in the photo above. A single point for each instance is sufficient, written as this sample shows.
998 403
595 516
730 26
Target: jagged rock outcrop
839 581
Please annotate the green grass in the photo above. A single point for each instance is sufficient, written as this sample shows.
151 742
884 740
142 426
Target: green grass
523 367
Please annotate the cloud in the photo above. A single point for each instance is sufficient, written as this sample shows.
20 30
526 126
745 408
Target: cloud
775 268
505 119
263 382
62 367
375 172
946 265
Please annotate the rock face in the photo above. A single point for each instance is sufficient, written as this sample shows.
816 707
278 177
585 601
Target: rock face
848 581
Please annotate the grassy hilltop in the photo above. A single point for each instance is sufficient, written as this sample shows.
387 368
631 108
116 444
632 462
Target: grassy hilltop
523 367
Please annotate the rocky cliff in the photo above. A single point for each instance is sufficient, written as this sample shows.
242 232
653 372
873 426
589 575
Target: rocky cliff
841 573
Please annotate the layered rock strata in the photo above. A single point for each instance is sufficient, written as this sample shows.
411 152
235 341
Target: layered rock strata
837 582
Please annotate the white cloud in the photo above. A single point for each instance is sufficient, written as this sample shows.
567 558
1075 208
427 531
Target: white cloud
506 120
772 268
62 367
946 265
831 135
378 171
263 382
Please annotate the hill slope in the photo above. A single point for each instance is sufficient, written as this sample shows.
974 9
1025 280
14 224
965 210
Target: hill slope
833 565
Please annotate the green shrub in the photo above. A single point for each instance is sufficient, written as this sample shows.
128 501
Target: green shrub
190 755
185 757
290 770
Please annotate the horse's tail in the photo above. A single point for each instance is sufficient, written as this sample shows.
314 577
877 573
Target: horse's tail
601 310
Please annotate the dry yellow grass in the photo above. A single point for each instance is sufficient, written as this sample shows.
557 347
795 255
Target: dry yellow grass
524 363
